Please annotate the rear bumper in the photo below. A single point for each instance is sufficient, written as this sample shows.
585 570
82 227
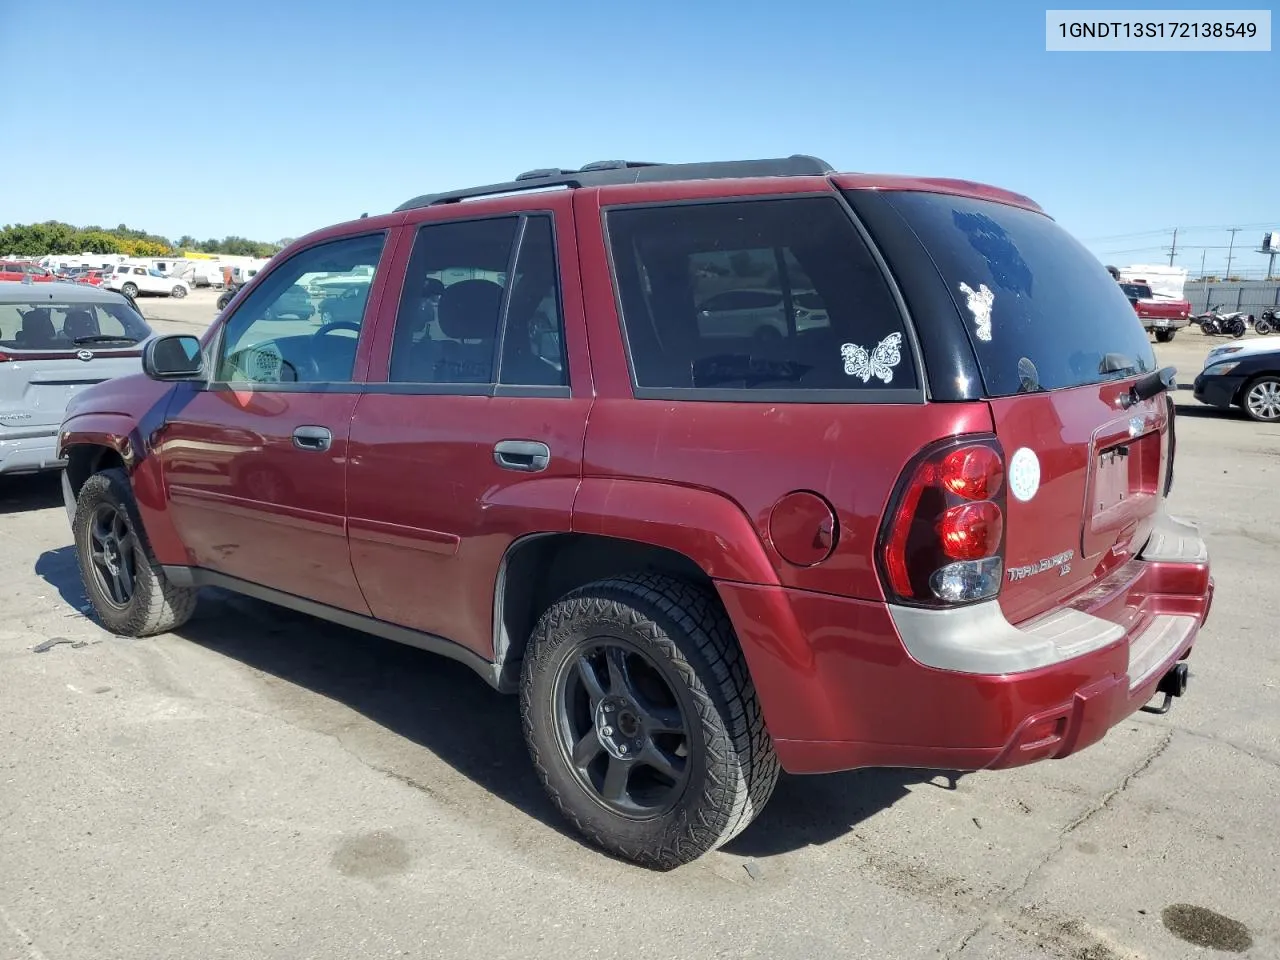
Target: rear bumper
30 454
1165 323
841 689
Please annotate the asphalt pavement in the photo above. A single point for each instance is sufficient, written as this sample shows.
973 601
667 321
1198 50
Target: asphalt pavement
264 785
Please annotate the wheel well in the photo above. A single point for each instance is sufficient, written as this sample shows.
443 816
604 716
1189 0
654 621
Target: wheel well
84 460
540 569
1238 399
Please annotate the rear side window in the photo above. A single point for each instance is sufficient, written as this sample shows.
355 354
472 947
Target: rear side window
1040 310
464 324
756 297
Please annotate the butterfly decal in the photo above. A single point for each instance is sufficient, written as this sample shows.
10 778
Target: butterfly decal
877 363
979 303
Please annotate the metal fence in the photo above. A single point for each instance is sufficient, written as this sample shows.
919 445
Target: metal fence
1251 296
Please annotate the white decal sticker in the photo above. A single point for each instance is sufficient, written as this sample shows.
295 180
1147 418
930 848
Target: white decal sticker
979 303
878 363
1024 473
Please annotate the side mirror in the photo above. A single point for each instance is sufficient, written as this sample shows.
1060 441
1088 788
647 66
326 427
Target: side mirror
175 357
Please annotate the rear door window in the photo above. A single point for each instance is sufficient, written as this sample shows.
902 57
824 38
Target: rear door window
756 298
1040 310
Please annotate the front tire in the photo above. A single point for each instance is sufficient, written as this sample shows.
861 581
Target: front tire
642 720
129 592
1262 400
178 292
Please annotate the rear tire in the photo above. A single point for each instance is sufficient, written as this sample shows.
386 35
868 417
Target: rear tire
1164 336
130 290
129 592
626 673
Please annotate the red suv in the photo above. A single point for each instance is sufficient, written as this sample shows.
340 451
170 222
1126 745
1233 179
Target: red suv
722 467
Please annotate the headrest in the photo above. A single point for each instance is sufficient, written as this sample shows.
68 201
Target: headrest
469 310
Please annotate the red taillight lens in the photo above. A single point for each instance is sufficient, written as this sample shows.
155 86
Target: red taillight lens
975 473
971 531
942 541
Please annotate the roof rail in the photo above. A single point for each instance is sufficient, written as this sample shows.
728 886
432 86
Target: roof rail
606 172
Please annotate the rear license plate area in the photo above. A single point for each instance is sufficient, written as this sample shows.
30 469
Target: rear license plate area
1112 485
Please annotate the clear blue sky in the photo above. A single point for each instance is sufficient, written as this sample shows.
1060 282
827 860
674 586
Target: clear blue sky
269 119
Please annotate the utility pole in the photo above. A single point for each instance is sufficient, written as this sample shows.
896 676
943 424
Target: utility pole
1173 249
1230 249
1202 253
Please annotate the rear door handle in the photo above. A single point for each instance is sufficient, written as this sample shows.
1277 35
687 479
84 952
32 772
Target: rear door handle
528 456
317 439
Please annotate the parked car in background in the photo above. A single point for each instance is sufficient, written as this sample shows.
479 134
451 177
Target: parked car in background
55 341
1163 316
93 277
11 270
134 280
759 313
928 529
1244 375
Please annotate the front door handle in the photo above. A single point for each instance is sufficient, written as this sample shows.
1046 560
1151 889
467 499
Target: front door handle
316 439
528 456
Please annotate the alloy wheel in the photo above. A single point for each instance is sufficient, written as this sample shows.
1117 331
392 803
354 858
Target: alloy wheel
112 546
1263 400
622 729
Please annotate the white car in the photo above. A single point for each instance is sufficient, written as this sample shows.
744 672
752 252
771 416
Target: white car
133 280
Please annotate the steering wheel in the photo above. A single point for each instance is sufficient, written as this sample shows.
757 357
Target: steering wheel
313 365
332 325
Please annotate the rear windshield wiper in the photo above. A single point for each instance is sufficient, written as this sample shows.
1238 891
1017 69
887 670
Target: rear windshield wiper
1118 363
732 368
104 338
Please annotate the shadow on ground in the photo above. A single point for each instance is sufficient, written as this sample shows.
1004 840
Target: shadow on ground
444 707
59 569
31 491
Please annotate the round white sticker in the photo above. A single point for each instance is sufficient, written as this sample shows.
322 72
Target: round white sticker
1024 473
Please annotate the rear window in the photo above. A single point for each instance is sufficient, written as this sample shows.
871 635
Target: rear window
757 298
1136 291
1040 310
70 326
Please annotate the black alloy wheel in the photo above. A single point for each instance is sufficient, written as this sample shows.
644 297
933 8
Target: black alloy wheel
621 728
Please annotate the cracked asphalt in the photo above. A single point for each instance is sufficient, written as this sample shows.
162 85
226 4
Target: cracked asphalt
264 785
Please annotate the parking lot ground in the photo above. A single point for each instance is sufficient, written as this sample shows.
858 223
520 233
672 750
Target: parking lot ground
261 784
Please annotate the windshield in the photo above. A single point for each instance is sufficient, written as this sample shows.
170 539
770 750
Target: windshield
1040 310
42 325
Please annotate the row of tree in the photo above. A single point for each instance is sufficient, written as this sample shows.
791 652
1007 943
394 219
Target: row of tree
54 237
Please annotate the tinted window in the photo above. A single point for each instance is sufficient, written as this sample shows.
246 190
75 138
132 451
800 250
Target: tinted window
54 326
291 330
761 294
1032 297
455 284
533 336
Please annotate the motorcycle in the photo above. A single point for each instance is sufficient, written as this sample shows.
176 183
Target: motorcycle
1266 323
1216 324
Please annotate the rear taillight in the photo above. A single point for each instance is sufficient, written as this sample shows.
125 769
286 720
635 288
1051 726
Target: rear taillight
942 541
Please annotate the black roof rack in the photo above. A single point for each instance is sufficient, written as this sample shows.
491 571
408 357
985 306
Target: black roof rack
606 172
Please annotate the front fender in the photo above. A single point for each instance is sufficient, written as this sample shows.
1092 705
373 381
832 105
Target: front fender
709 529
122 435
